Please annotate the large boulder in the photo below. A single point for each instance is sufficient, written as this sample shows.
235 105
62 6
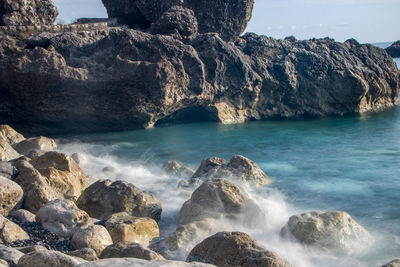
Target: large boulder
35 143
48 258
227 18
214 199
234 249
37 192
105 198
238 168
124 227
394 49
128 262
9 134
95 237
21 12
176 20
6 151
11 195
130 250
62 217
327 230
62 173
11 232
9 254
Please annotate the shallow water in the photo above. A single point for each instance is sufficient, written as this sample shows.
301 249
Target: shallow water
350 164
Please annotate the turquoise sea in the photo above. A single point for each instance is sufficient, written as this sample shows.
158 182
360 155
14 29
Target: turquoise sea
349 163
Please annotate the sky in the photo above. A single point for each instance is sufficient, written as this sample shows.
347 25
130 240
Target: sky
368 21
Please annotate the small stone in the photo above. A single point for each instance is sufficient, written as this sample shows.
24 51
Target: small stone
95 237
124 227
11 255
85 253
62 217
11 196
35 143
130 250
11 232
49 258
23 215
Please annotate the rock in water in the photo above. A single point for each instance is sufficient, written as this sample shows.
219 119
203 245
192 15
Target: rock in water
234 249
62 217
33 12
62 173
11 232
48 258
10 135
11 195
130 250
35 143
238 168
175 169
394 49
214 199
335 230
104 198
95 237
124 227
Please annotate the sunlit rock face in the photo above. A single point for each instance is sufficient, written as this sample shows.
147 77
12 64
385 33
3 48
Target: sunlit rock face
27 12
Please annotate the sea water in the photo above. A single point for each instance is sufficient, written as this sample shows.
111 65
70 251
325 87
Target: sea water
350 164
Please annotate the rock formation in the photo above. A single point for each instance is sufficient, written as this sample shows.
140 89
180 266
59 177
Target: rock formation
394 49
234 249
22 12
119 78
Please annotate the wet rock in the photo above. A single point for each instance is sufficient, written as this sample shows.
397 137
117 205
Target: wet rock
62 173
327 230
124 227
105 198
214 199
9 134
79 158
19 12
130 250
36 189
95 237
22 215
394 49
234 249
11 196
35 143
238 168
9 254
62 217
7 170
175 169
48 258
11 232
176 19
127 262
393 263
85 253
6 151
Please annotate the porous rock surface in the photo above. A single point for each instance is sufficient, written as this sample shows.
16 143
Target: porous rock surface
11 196
130 250
22 12
327 230
62 217
104 198
234 249
124 227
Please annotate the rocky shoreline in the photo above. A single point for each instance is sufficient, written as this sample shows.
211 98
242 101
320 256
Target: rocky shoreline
167 63
52 216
